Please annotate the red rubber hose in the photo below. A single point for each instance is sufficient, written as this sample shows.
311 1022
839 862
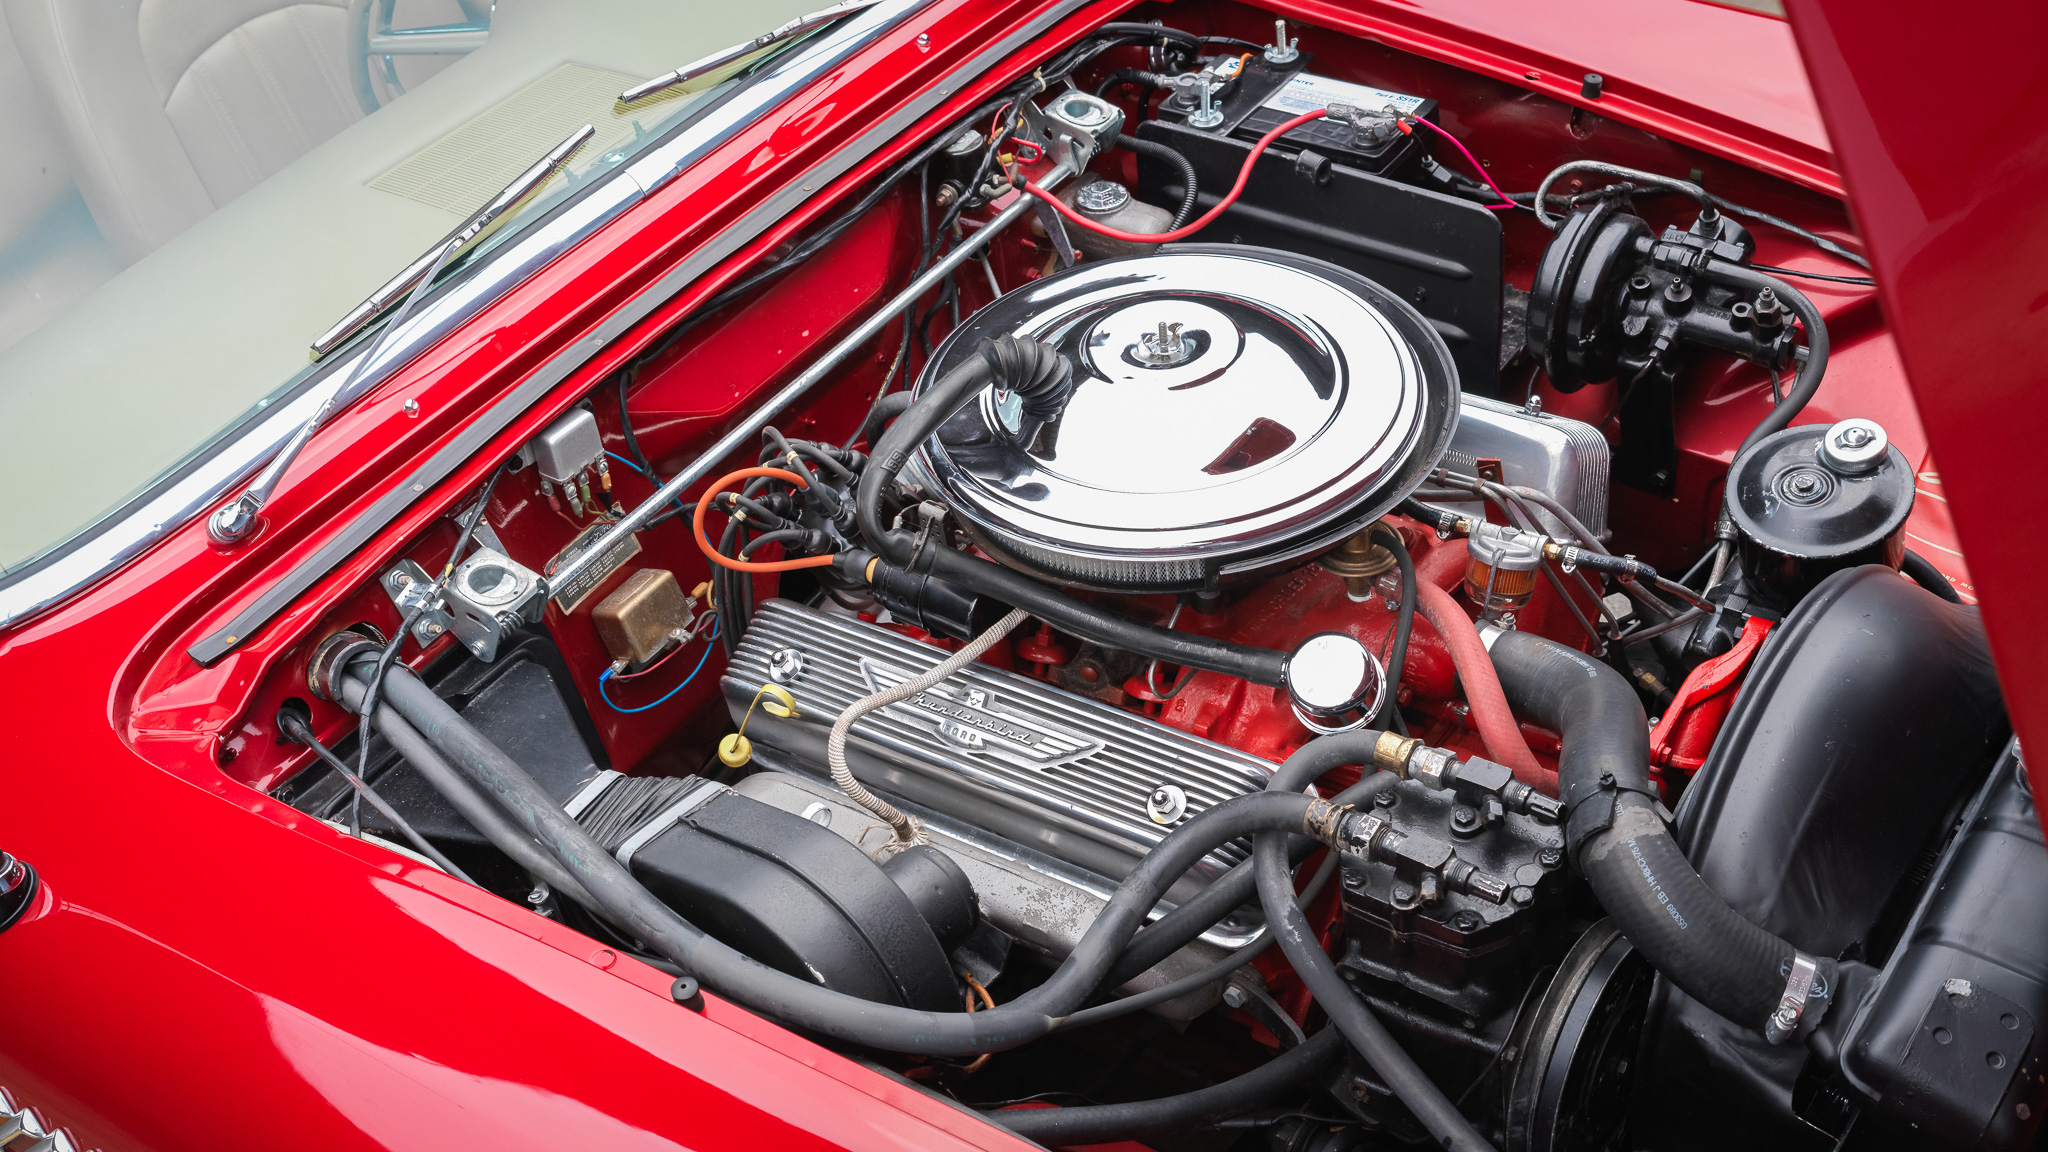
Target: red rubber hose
1490 712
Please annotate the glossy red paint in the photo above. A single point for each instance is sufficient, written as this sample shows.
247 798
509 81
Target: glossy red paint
212 969
1948 192
1685 733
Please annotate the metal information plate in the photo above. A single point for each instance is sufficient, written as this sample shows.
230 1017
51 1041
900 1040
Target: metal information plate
571 595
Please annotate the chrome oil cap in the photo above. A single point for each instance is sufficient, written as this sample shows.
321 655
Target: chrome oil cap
1232 407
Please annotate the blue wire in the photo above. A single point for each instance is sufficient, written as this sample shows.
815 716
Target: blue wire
606 697
644 476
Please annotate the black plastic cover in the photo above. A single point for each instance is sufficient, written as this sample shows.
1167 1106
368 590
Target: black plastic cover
1954 1036
798 898
1864 724
526 703
1440 253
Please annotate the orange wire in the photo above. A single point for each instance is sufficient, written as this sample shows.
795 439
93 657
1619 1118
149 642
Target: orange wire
704 541
974 986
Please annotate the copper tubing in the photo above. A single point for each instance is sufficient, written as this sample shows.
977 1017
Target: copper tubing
1497 727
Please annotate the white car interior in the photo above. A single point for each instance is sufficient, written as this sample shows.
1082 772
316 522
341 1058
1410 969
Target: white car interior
192 190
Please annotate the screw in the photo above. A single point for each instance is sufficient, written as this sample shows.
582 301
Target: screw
924 42
785 665
1208 115
477 647
1467 921
1533 406
412 407
1281 50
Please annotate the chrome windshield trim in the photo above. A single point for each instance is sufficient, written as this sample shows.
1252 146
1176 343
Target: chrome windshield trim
164 507
358 532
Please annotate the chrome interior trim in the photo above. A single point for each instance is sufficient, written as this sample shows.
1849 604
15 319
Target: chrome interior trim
168 505
275 598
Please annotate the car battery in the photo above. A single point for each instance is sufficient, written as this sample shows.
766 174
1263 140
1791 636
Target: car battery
1256 97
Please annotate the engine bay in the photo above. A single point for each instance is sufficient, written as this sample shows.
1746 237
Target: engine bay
1253 591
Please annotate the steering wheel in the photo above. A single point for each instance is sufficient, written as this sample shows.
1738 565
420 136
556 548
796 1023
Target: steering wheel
373 39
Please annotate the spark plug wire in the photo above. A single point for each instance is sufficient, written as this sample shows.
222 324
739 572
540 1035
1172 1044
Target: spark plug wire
724 561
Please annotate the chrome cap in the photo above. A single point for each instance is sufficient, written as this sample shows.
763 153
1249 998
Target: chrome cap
1232 407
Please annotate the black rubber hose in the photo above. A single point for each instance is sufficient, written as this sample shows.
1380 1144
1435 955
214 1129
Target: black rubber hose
1808 380
300 731
1101 1123
1139 76
1404 626
1194 916
1361 793
1923 572
1188 179
731 973
1348 1013
457 790
1618 841
1043 378
887 408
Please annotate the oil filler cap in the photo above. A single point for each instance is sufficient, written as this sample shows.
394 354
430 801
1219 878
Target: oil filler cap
1334 684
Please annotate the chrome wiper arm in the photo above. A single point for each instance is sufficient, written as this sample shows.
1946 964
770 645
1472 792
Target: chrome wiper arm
725 56
234 521
464 234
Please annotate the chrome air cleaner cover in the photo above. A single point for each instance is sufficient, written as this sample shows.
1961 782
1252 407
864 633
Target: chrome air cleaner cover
1233 408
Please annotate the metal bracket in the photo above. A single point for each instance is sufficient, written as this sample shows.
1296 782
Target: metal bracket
489 596
1799 984
407 584
1247 993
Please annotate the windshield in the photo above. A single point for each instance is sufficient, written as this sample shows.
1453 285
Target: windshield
172 248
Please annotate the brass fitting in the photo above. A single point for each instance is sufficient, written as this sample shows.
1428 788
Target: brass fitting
1360 562
1391 751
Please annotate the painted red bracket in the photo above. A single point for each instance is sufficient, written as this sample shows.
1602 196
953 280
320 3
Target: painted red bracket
1683 737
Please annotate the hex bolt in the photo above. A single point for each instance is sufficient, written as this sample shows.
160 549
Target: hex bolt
1550 857
1386 799
1208 115
1522 895
1282 50
1464 819
1235 996
1467 920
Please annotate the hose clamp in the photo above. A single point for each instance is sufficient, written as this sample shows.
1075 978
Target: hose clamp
1799 986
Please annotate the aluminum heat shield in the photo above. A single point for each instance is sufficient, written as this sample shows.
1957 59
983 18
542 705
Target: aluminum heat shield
1071 777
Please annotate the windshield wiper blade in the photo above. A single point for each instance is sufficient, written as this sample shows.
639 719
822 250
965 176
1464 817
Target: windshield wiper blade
725 56
465 234
236 520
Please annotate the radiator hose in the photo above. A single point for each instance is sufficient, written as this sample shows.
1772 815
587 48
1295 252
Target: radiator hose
1619 842
1041 378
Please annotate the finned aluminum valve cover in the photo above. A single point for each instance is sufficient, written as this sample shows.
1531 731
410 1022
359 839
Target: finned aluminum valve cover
1075 778
1232 407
